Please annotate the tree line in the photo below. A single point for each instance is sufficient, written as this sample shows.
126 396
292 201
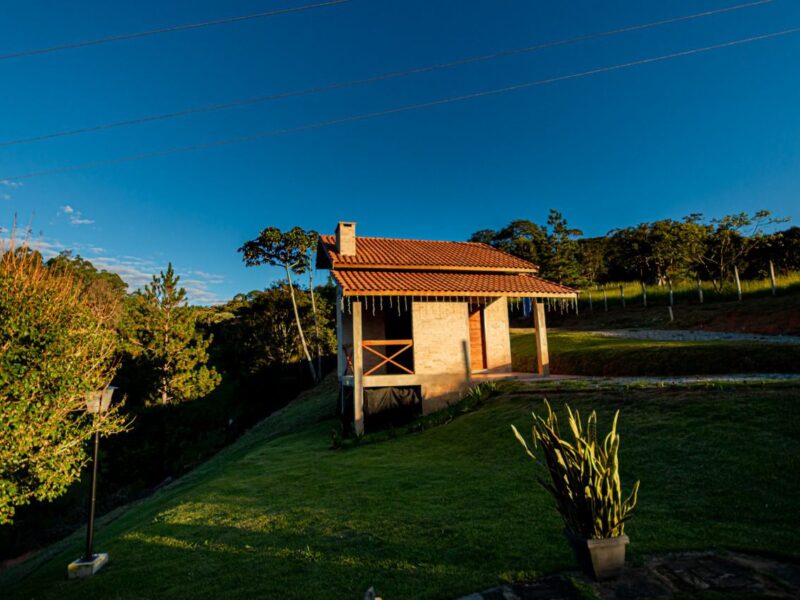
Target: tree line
190 378
652 252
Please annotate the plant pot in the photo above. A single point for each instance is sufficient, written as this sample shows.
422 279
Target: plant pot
600 559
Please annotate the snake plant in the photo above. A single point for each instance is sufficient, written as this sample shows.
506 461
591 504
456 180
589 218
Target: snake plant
584 474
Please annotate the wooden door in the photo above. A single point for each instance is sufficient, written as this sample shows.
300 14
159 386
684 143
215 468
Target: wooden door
477 343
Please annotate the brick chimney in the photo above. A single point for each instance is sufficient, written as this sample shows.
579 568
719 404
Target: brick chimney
346 238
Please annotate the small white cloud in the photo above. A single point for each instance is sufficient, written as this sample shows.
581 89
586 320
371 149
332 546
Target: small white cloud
5 196
11 184
75 216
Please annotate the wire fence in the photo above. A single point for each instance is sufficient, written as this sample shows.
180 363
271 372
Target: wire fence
608 296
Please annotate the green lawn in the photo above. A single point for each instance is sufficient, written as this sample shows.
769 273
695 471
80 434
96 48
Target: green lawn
443 512
581 353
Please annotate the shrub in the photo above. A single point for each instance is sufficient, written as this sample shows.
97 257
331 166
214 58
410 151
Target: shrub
584 475
480 392
55 347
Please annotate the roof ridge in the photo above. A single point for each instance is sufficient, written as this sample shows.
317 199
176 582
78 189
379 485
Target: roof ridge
401 239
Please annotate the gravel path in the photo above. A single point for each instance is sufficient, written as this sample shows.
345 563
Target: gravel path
689 335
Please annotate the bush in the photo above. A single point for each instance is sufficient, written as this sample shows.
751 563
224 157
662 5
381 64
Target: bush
584 475
54 349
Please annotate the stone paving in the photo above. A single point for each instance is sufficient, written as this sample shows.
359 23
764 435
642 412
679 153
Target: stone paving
684 575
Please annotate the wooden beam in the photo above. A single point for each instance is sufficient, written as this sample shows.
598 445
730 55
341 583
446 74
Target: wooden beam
542 355
358 370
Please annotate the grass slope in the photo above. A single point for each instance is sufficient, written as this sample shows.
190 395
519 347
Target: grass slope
580 353
444 512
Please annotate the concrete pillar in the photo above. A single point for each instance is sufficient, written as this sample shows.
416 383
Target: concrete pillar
341 361
542 355
358 370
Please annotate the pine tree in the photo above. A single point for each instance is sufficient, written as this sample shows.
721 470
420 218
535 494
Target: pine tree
562 261
163 337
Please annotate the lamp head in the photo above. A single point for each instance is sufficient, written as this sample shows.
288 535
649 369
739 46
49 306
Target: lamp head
99 401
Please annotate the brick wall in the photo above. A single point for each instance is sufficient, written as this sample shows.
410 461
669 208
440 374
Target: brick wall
441 351
498 341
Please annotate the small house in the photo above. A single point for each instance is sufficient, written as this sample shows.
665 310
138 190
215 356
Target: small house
419 321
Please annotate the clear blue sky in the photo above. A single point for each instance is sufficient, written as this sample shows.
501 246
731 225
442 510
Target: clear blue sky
712 133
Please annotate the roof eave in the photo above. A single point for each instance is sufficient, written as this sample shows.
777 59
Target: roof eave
462 294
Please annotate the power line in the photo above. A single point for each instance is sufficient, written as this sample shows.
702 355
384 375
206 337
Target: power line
184 27
397 110
382 77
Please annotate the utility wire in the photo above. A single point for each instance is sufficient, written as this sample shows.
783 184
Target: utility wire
400 109
357 82
184 27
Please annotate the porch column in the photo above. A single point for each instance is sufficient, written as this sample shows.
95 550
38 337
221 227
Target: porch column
542 356
358 370
341 362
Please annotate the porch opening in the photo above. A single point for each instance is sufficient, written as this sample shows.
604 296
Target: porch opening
387 341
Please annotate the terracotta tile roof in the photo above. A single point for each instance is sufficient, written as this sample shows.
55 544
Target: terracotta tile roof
355 282
394 253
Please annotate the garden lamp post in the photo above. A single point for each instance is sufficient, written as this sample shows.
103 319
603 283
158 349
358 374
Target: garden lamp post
90 563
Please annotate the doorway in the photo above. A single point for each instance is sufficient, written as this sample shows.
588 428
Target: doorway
477 342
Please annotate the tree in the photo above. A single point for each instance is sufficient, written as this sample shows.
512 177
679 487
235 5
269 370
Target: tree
729 242
592 258
554 250
162 338
259 330
562 251
288 250
99 287
522 238
55 348
310 241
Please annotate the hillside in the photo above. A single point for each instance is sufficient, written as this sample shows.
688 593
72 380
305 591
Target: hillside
444 512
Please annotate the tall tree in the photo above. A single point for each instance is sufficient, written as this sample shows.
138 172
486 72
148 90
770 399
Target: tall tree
163 338
310 243
55 347
289 250
562 250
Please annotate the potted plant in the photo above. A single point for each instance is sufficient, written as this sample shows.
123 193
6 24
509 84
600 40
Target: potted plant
584 481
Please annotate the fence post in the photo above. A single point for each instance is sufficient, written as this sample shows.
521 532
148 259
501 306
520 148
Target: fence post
605 299
591 310
644 295
772 276
622 295
700 290
671 316
738 282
